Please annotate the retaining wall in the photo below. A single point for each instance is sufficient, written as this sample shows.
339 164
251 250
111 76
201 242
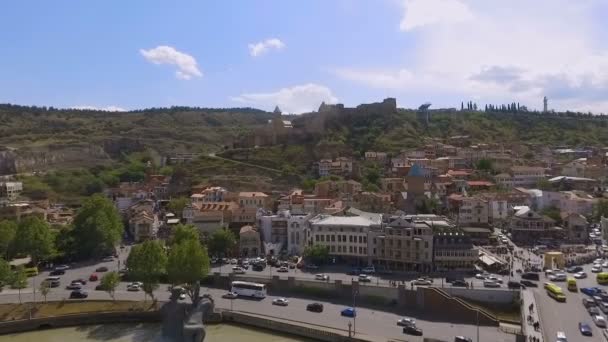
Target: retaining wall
483 295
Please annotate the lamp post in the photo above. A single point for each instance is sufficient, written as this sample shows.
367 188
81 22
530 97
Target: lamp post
350 325
477 324
355 312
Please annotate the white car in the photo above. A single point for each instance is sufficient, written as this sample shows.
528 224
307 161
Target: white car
596 269
558 277
480 276
490 283
561 337
600 321
406 322
494 279
580 275
364 278
282 269
133 287
422 281
234 261
230 295
369 269
280 301
238 270
321 277
605 264
598 261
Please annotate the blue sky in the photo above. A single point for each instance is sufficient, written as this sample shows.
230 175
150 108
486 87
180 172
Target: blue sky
134 54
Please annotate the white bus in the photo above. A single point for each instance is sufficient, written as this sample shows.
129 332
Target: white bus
247 289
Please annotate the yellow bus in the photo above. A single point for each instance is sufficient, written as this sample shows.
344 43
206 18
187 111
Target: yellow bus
555 292
602 278
572 284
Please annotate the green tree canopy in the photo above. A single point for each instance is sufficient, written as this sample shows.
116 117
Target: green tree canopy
184 232
553 213
600 209
97 228
484 165
221 242
147 262
109 282
34 238
544 184
177 205
5 271
318 254
188 263
7 235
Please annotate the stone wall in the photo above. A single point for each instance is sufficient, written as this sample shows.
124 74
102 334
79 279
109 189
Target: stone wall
485 295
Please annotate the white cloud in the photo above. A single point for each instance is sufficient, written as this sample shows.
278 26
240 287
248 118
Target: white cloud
498 52
185 63
260 48
105 109
297 99
420 13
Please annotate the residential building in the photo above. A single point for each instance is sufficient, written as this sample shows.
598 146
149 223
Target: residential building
10 190
575 226
373 201
391 185
470 211
577 202
209 217
380 157
528 226
403 244
143 225
297 228
585 168
254 200
249 242
342 166
527 176
573 183
273 230
454 251
478 235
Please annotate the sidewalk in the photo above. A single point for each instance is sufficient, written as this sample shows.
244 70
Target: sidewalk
528 329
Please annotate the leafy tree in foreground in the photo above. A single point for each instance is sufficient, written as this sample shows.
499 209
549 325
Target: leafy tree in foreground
177 205
97 228
188 263
19 280
183 233
109 282
5 271
34 238
600 209
147 262
221 242
317 254
7 235
45 289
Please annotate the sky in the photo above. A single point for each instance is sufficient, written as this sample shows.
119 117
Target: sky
123 55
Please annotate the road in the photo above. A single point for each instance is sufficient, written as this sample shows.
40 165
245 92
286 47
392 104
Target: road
370 322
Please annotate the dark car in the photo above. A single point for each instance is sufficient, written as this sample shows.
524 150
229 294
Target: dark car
514 285
411 330
528 283
459 283
462 339
585 329
354 271
574 269
99 288
530 276
57 272
314 307
101 269
79 294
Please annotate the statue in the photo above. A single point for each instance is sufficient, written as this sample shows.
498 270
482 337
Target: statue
182 322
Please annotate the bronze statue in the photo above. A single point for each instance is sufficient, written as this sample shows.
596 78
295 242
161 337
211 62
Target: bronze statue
182 322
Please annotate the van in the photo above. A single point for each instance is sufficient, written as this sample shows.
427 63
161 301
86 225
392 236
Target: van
572 285
602 278
561 337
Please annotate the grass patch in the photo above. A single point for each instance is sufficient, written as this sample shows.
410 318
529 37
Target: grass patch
10 312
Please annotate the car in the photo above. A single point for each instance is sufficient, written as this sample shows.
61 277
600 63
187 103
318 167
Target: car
591 291
422 281
593 310
292 266
596 269
490 283
364 278
528 283
61 268
74 286
580 275
459 283
558 277
574 269
238 270
514 285
53 282
79 280
354 271
530 276
133 287
588 302
93 277
99 288
464 339
280 302
101 269
494 279
547 284
409 330
314 307
585 329
108 258
600 321
480 276
561 337
230 295
283 269
603 307
138 283
348 312
369 269
77 294
321 277
234 261
605 264
57 272
404 322
311 267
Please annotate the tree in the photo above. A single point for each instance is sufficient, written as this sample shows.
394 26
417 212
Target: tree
183 233
109 282
19 280
221 242
7 235
5 271
544 184
34 238
553 213
188 263
484 165
600 209
318 254
45 289
147 262
97 228
177 205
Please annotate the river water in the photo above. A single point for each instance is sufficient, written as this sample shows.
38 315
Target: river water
145 333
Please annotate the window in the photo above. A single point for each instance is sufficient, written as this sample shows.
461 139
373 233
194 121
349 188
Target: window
360 239
374 250
343 238
350 238
332 248
327 237
365 239
350 249
322 238
333 238
426 244
317 238
360 250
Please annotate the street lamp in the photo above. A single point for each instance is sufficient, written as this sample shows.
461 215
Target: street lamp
355 312
477 324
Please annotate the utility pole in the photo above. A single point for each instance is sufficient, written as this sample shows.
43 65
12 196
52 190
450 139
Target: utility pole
355 312
477 324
